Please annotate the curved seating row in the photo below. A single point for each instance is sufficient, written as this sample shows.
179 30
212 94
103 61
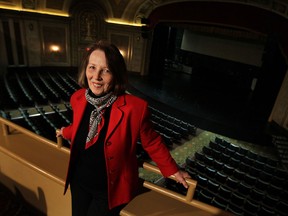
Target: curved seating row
239 180
27 88
281 144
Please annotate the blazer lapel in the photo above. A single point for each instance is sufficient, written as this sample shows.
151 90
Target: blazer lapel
116 115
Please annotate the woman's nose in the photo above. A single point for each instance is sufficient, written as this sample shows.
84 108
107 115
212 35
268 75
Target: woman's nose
97 75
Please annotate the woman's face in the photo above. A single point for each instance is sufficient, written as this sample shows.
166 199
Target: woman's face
98 75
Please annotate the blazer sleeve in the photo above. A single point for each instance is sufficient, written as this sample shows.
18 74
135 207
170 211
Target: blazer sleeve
68 130
153 143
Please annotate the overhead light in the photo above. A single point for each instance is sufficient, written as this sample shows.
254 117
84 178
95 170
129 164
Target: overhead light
122 22
35 11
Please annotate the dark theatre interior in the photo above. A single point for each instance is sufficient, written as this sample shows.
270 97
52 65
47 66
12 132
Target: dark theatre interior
217 67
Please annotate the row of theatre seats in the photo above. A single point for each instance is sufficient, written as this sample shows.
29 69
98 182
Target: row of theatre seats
29 87
41 99
44 120
238 180
280 141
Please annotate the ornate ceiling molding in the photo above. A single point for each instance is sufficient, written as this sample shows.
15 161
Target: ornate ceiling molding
132 10
276 6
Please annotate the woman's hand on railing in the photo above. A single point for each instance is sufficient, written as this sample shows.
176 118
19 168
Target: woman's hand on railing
59 132
181 176
59 135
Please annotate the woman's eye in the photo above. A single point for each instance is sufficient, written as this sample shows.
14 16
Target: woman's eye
106 70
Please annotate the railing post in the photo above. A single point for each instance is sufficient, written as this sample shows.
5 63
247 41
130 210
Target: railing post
59 140
5 129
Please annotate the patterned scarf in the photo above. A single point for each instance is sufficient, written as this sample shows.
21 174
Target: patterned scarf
96 118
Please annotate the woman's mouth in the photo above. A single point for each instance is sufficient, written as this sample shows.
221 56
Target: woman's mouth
96 85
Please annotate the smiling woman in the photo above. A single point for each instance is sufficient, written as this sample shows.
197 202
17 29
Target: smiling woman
107 124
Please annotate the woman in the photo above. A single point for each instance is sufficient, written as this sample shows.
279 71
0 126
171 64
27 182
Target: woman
107 122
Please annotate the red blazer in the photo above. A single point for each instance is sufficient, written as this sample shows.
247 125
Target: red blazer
129 120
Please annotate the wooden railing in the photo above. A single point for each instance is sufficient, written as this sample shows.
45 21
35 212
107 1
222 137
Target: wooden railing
10 127
190 193
188 199
36 167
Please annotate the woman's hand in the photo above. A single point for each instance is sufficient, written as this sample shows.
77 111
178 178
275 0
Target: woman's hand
59 132
180 177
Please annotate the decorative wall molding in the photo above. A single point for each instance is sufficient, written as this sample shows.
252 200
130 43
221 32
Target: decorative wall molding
55 42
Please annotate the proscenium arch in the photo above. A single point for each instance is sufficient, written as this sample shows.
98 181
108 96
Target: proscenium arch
235 15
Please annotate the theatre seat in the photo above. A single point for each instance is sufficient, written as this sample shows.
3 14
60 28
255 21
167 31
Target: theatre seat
156 201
